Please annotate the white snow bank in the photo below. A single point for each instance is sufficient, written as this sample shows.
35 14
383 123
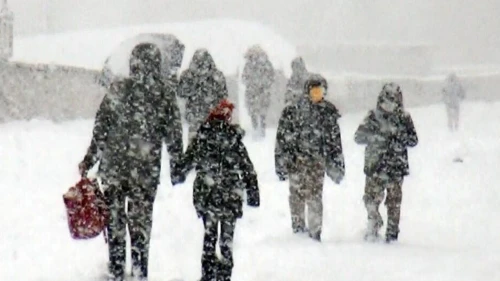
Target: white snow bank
227 40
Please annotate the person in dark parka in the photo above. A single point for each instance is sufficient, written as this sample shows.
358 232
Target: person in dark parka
133 120
224 173
203 86
308 144
258 77
387 132
295 85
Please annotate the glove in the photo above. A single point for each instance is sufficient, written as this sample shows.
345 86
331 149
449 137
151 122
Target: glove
253 199
82 169
282 176
335 175
177 178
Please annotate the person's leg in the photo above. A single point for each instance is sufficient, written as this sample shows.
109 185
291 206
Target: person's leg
393 203
117 231
374 194
297 203
140 213
209 260
226 248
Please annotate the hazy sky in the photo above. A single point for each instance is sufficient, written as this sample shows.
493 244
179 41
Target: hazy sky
464 31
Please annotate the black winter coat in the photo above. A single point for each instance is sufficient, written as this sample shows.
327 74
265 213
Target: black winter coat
133 120
295 85
224 171
309 131
387 136
202 86
258 77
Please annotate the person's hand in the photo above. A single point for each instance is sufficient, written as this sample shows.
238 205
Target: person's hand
335 175
282 176
82 169
177 178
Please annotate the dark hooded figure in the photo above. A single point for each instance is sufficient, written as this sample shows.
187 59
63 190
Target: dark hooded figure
258 78
203 87
133 120
387 132
308 144
224 173
295 85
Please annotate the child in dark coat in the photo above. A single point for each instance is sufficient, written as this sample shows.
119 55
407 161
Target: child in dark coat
224 173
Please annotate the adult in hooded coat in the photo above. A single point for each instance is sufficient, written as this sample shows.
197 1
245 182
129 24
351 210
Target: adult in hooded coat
295 85
224 173
258 78
133 120
308 144
387 131
453 95
203 86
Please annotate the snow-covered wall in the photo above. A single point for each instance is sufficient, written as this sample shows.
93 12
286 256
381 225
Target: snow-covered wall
67 93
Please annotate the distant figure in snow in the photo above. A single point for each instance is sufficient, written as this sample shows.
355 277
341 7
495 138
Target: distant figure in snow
224 173
258 78
308 145
387 131
203 86
453 95
295 85
134 119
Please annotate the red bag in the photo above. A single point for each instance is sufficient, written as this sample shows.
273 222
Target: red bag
86 208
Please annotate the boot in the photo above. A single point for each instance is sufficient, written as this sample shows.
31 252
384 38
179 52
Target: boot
316 236
391 237
373 229
224 272
298 225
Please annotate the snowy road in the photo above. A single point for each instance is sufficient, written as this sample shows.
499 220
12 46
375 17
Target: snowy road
449 228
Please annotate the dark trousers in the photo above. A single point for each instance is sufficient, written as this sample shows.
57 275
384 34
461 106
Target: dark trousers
375 190
213 269
259 123
132 208
306 189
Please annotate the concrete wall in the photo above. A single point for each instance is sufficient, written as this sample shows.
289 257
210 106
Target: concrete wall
66 93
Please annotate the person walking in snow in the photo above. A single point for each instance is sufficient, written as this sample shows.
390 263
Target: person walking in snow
453 95
224 173
295 85
133 120
387 131
258 78
308 144
203 86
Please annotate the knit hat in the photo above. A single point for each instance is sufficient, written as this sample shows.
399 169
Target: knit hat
223 111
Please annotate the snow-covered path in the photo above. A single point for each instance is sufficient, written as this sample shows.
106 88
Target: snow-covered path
449 225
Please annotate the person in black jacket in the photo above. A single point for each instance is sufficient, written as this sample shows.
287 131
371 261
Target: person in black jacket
203 86
295 85
308 144
387 131
133 120
258 77
224 173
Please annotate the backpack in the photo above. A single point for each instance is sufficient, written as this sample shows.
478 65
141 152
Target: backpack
86 210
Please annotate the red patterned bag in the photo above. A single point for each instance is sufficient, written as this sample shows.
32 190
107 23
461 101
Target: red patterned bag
86 208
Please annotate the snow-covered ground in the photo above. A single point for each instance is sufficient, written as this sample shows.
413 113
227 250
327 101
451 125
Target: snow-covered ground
449 224
227 40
